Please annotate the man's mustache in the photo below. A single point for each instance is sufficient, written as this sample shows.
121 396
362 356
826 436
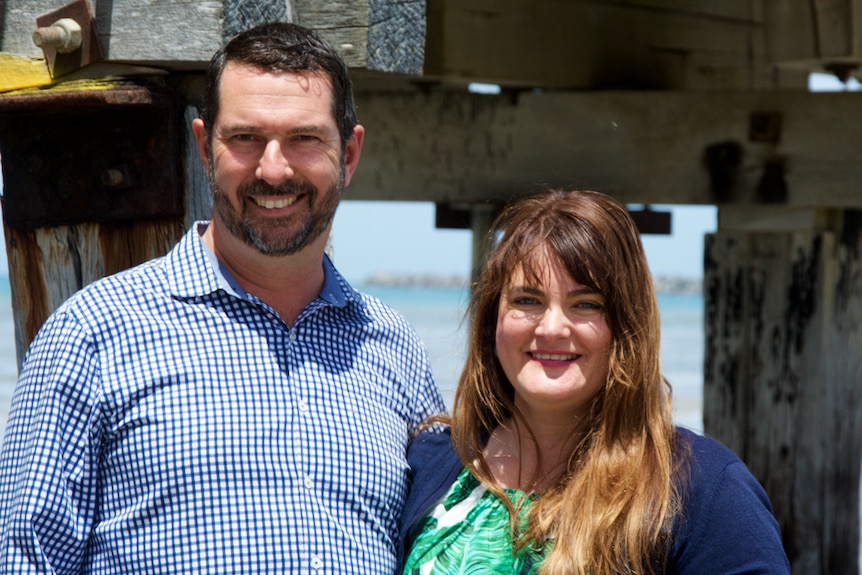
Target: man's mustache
261 188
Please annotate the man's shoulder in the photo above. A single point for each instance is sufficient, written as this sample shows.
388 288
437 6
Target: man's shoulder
379 313
142 282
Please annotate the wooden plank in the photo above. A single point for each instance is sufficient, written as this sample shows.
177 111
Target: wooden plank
782 375
180 31
791 33
821 35
183 34
592 44
643 147
747 10
17 73
47 265
834 27
342 22
843 371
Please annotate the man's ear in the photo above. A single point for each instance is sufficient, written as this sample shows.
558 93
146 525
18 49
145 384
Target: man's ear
202 140
352 152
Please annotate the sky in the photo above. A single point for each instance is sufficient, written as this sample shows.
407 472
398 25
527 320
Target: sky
399 237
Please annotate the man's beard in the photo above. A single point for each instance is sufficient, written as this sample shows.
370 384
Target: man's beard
281 236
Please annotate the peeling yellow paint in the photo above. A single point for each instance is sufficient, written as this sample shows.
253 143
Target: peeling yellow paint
17 73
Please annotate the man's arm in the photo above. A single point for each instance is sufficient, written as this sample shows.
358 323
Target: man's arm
48 466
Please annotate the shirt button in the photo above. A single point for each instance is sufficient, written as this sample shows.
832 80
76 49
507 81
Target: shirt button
303 406
316 563
293 335
308 482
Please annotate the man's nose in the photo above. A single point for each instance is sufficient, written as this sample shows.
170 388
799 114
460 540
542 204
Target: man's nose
274 167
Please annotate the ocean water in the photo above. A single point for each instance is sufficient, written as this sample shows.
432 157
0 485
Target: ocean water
437 315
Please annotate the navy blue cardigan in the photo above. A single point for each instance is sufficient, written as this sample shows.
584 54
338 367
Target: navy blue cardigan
727 525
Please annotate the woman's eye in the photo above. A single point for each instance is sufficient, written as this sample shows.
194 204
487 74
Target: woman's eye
589 306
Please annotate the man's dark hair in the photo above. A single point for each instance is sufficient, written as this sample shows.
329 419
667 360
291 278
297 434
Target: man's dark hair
283 47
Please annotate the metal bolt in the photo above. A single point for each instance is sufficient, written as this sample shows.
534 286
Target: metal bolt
113 177
64 36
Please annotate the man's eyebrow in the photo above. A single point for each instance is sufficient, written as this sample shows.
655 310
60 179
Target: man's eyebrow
310 129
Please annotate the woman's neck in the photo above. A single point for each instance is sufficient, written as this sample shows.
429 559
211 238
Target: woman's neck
530 459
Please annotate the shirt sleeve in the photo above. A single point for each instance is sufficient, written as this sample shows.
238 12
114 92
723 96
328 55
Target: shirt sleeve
48 462
727 526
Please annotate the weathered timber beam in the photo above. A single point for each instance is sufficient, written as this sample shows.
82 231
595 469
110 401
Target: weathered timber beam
638 44
792 149
381 35
782 369
814 35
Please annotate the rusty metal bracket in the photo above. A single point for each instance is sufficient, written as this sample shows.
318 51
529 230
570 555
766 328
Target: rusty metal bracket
105 155
68 38
765 127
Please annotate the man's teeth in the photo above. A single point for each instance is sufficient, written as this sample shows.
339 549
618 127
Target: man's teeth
271 203
554 356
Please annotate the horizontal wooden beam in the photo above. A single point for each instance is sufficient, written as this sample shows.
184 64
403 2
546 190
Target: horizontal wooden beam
382 36
638 44
791 149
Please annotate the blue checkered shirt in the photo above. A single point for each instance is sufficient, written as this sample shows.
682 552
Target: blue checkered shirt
167 422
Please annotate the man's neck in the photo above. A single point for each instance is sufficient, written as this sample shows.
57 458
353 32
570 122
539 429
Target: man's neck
285 283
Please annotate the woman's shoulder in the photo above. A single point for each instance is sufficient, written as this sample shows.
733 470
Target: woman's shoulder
432 452
705 452
711 464
726 521
434 466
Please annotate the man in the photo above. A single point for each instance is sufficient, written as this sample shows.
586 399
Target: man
233 407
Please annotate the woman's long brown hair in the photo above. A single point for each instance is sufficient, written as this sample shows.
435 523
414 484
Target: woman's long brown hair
612 508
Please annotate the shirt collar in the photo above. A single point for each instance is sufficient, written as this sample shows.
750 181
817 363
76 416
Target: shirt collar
195 271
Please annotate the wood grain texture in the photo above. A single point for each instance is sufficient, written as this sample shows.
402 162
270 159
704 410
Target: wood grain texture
782 376
643 147
48 265
381 35
598 45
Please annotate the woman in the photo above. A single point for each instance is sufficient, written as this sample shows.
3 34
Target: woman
561 455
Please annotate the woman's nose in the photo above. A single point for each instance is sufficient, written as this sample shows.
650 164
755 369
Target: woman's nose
554 323
274 167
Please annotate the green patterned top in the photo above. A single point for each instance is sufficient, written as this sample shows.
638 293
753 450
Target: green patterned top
468 534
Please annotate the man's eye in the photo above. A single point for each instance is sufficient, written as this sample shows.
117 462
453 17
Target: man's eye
306 138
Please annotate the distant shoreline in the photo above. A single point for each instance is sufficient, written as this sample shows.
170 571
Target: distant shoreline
664 284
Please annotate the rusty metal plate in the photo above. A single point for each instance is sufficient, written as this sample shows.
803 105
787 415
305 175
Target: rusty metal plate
91 48
70 158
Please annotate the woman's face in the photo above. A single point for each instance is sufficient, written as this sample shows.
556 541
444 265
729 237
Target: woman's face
553 343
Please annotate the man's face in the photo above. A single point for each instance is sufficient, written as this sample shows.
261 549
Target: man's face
275 159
